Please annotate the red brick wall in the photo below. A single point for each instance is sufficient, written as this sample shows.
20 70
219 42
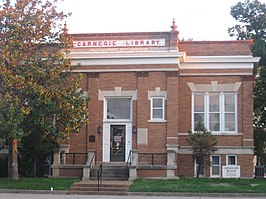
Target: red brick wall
151 173
70 172
178 103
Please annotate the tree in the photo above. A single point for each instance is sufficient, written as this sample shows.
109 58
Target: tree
252 18
38 93
35 150
203 144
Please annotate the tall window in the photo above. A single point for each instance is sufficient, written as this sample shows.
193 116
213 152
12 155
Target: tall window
217 111
215 166
229 112
157 108
199 114
214 112
196 167
118 109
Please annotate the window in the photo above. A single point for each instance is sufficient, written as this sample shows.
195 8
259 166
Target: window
217 111
196 167
229 112
118 109
215 166
214 112
231 160
157 108
198 109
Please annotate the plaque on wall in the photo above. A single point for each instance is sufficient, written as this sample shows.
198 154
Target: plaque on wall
92 138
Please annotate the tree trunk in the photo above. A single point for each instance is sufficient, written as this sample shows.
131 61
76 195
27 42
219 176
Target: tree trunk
13 170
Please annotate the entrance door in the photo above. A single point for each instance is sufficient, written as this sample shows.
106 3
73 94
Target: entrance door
117 143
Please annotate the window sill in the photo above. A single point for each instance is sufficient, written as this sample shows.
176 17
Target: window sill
226 133
157 121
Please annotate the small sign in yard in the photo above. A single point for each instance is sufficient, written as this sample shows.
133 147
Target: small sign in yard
231 171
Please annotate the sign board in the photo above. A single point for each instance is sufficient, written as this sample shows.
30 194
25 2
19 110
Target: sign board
231 171
119 43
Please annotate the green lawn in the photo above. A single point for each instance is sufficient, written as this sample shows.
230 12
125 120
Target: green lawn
38 183
194 185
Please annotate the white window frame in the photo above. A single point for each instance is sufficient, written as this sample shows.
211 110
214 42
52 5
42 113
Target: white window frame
152 108
221 111
220 167
227 162
195 168
113 120
207 112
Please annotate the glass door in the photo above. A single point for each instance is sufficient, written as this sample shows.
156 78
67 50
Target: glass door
117 143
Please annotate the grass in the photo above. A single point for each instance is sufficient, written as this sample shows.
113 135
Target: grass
38 183
193 185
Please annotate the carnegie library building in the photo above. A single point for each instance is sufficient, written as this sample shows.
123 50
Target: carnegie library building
146 91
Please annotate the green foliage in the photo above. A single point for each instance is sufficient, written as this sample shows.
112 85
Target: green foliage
38 93
35 150
260 145
203 144
3 166
200 185
38 183
251 16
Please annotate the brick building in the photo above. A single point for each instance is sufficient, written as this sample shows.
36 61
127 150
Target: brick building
147 90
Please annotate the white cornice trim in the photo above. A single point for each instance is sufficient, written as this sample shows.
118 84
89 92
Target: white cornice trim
125 55
215 74
222 59
216 65
126 70
126 61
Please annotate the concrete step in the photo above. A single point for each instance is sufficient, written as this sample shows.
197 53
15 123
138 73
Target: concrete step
100 188
110 171
97 193
106 188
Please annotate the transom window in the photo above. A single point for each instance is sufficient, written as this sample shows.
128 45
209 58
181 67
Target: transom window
157 108
217 111
118 109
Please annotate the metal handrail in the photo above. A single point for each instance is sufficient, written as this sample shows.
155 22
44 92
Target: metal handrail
129 160
99 175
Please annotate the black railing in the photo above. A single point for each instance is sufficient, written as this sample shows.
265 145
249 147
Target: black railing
73 158
99 175
152 158
128 164
260 172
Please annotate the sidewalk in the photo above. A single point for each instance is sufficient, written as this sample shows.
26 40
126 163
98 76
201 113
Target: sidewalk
60 192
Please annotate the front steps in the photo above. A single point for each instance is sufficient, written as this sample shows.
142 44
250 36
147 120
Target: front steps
110 171
106 188
114 181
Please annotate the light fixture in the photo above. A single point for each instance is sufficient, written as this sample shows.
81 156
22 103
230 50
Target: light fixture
134 129
99 129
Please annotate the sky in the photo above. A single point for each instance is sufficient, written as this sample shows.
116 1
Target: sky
196 19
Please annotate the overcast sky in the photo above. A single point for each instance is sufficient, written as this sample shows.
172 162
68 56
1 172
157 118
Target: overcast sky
197 19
